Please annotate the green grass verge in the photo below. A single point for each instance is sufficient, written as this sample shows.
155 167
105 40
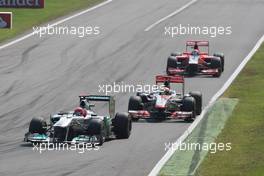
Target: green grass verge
185 161
24 19
245 128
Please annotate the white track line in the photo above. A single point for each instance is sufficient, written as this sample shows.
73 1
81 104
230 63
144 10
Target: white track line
170 15
56 23
169 153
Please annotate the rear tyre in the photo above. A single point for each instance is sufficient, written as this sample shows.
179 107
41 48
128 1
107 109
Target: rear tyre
135 104
38 125
171 63
122 125
198 101
188 105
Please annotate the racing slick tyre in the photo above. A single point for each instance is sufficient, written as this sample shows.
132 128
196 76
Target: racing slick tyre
135 103
198 101
171 63
38 125
122 125
188 105
96 128
176 54
216 64
222 57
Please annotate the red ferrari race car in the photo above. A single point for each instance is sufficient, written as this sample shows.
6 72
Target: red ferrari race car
194 61
166 103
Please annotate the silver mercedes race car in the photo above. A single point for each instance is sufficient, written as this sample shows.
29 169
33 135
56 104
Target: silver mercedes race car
82 125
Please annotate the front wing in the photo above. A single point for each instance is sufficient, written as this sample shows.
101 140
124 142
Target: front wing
44 138
142 114
205 71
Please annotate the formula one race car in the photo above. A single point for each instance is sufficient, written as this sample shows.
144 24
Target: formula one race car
196 61
166 103
82 125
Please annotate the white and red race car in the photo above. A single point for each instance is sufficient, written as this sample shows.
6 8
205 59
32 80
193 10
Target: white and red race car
195 61
166 103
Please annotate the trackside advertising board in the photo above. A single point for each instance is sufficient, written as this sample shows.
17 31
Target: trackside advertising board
22 3
5 20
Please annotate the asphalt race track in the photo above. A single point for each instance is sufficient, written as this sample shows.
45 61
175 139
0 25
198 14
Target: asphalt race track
40 76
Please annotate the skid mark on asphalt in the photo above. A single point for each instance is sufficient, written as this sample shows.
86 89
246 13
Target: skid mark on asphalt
9 89
64 54
135 66
24 58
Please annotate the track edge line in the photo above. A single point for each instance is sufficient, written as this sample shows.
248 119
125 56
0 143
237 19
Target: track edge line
155 171
12 42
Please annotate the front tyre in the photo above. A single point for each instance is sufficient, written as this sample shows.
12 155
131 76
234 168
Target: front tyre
96 128
171 63
198 101
122 125
38 125
135 104
188 105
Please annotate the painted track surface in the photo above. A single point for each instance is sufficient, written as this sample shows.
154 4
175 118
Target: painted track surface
39 76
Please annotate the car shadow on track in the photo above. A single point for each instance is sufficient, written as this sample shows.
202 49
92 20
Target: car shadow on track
201 76
26 145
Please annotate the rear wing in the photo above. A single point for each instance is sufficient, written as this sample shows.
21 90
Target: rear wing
177 79
194 43
101 98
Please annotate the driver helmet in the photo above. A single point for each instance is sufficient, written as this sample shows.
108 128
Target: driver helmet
166 91
195 52
167 84
80 112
